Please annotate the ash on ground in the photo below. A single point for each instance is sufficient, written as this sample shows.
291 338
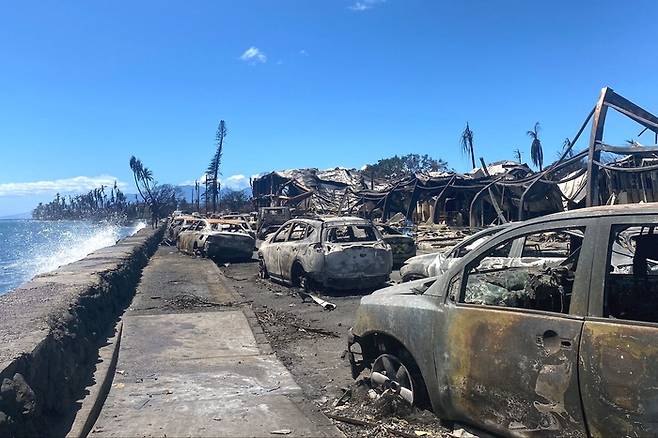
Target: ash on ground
381 414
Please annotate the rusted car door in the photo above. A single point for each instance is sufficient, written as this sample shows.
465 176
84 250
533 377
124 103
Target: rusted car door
509 359
187 236
619 346
274 249
289 250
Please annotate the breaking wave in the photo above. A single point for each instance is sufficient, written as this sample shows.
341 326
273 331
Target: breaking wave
29 248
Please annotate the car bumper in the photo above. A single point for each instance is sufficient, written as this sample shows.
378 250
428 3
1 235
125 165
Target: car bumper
356 282
228 252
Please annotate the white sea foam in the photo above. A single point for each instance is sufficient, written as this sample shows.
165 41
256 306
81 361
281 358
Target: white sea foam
35 247
75 246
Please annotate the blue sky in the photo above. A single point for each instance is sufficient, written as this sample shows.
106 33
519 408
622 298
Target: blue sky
313 83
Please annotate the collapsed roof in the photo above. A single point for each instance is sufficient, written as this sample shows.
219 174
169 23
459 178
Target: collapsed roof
452 195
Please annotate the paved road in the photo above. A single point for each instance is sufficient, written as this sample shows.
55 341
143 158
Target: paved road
190 364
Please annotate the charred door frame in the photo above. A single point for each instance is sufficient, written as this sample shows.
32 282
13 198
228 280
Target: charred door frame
609 407
577 311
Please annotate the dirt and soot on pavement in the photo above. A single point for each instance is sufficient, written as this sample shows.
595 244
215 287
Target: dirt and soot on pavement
311 342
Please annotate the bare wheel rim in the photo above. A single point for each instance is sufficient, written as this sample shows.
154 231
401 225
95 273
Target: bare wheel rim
304 283
394 370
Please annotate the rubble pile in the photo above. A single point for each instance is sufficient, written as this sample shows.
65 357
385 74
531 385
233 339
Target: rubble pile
438 238
363 411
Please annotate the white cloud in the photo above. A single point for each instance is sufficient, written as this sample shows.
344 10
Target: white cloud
76 184
253 55
364 5
236 182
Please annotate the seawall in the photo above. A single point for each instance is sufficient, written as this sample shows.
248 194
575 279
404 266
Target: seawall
51 329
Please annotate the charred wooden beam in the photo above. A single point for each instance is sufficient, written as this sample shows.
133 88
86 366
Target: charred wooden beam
594 155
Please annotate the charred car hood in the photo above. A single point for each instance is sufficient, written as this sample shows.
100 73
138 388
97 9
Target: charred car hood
422 259
403 289
418 265
392 309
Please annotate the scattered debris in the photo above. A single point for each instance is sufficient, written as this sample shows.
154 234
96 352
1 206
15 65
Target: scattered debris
326 305
381 414
186 301
316 330
462 433
234 278
286 326
281 432
347 394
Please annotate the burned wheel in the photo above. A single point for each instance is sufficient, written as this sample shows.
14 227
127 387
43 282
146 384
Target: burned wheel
305 283
389 373
262 269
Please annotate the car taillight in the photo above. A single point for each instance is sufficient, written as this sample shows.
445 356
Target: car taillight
317 247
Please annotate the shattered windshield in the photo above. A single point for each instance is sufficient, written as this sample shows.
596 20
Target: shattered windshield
540 279
226 227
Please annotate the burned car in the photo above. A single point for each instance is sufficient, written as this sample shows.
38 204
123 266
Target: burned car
217 239
178 224
436 263
560 341
244 219
402 246
339 253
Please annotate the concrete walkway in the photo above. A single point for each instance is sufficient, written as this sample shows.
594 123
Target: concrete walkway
190 365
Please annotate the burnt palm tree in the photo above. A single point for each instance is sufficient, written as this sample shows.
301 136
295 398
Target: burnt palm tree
632 142
466 142
566 145
143 178
517 155
536 152
212 174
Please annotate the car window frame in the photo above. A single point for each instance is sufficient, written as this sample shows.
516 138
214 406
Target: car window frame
324 238
281 230
304 234
578 307
600 266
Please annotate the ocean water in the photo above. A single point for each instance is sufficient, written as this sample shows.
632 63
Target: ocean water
30 247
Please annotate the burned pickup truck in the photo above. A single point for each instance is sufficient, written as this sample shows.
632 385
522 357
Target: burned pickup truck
338 253
561 341
219 239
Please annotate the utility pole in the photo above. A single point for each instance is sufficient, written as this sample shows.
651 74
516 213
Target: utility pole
197 188
206 193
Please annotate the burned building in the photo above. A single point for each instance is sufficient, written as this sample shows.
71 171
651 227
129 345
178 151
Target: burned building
499 192
480 197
